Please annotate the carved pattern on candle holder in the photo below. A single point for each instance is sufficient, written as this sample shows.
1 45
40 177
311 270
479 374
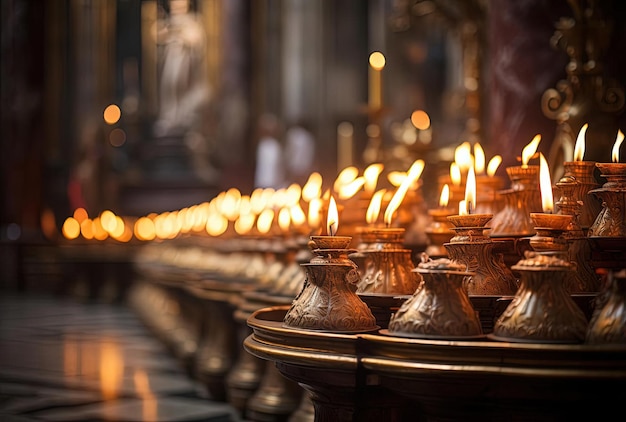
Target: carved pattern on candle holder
582 172
610 221
328 301
441 308
542 310
491 276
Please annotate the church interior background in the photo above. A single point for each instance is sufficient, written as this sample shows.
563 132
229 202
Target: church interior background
128 126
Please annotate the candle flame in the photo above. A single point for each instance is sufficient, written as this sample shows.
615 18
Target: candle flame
396 178
618 142
244 223
479 158
345 177
284 219
493 165
445 196
313 187
545 184
455 174
413 175
371 174
264 221
463 156
377 60
371 215
314 215
332 221
579 148
462 207
529 150
292 195
349 190
71 228
297 215
470 191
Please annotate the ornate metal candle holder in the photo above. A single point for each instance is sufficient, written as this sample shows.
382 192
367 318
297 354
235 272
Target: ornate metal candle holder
489 200
441 308
611 221
586 280
542 310
439 232
389 268
328 300
471 247
607 236
522 198
583 173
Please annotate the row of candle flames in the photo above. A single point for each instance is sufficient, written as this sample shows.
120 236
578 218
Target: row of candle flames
268 211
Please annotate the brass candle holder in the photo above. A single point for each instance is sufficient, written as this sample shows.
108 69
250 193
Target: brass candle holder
522 198
441 308
542 310
439 232
328 300
489 200
607 236
586 280
389 267
471 247
583 173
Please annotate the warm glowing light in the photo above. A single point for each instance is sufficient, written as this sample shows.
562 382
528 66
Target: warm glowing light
244 223
493 165
229 206
455 174
108 221
71 228
373 209
216 224
112 114
445 196
579 148
86 228
618 142
396 178
420 119
111 369
245 206
371 174
284 219
332 222
279 199
259 200
545 184
529 150
313 187
118 228
314 215
462 207
413 175
479 159
470 191
345 177
292 194
463 156
377 60
98 231
144 229
349 190
264 221
298 218
80 214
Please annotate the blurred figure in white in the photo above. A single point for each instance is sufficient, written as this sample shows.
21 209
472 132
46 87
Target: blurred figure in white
299 153
269 171
183 89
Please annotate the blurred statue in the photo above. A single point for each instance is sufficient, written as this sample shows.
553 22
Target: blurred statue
183 89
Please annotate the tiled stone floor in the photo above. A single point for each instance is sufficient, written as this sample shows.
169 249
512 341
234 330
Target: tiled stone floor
62 360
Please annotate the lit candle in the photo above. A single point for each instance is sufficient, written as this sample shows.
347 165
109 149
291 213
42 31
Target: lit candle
579 148
493 165
615 151
445 196
412 176
479 159
470 191
332 221
462 207
377 63
545 184
371 215
529 150
371 174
